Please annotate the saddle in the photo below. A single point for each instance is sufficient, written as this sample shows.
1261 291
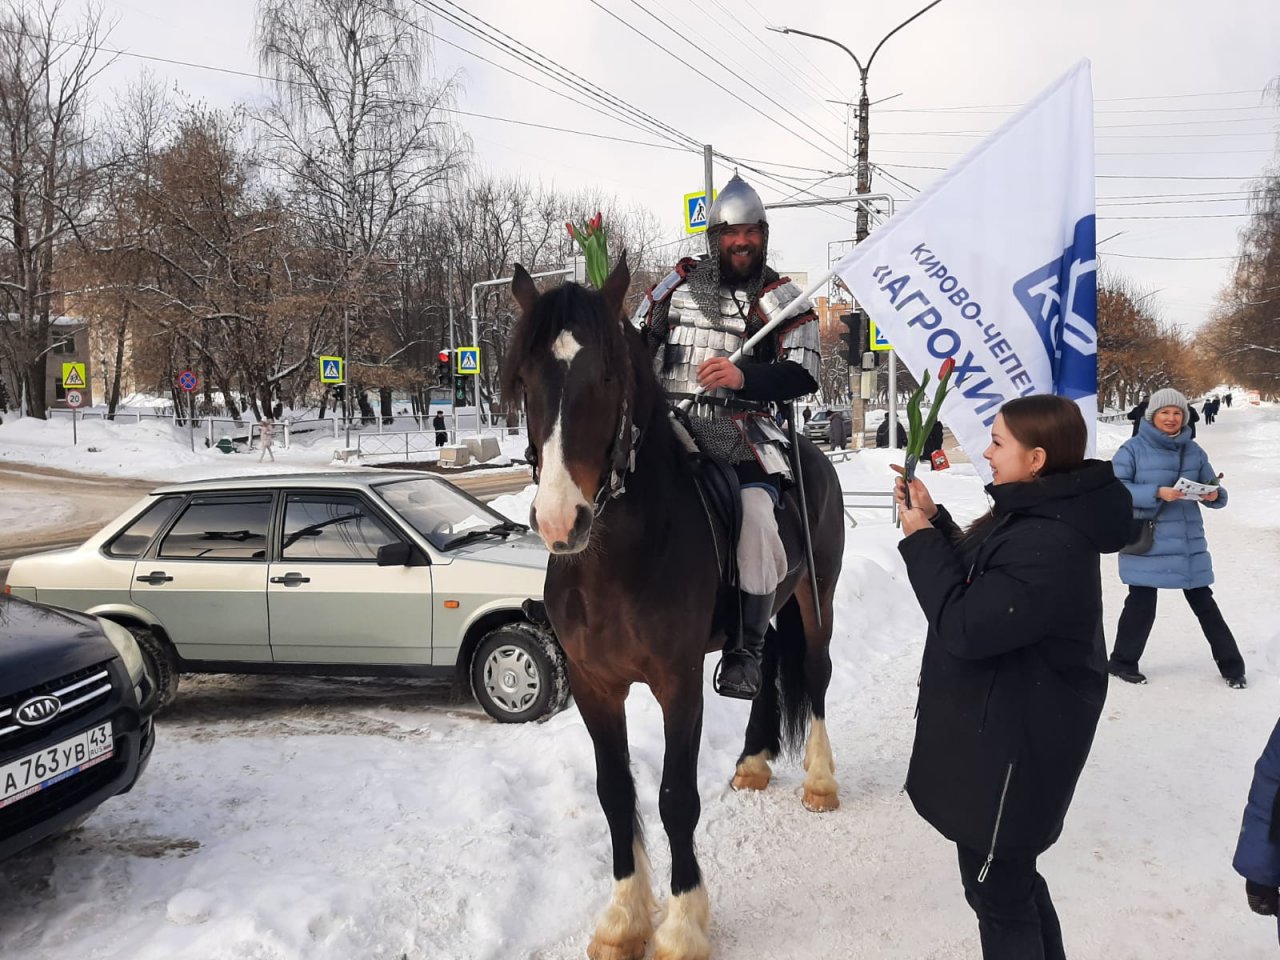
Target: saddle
721 494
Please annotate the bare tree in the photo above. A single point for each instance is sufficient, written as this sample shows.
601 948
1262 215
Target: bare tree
47 176
1245 334
356 132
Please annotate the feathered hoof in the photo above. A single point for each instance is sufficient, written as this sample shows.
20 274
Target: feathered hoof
632 949
751 781
753 773
822 798
683 933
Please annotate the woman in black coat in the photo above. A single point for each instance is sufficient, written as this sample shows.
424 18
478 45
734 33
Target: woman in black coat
1014 673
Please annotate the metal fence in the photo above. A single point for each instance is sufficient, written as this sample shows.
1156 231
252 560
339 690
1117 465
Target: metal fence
395 444
368 436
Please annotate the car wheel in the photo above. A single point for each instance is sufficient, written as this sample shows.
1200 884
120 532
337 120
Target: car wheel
518 674
161 664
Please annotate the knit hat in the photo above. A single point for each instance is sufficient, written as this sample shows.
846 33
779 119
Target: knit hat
1168 397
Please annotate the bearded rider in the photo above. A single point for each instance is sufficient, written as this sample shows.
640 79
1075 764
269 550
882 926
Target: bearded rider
692 322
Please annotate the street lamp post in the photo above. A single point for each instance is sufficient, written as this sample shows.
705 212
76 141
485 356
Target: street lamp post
475 321
857 401
864 105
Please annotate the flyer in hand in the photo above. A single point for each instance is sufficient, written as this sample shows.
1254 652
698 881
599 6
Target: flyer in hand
1193 490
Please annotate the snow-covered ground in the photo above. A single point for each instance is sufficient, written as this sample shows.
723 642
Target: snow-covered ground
334 819
158 450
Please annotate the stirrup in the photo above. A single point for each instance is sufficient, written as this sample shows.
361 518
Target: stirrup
735 692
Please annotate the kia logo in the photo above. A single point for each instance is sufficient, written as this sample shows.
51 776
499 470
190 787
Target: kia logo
38 710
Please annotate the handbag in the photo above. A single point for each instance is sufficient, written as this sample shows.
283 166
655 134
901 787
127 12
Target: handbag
1142 533
1142 537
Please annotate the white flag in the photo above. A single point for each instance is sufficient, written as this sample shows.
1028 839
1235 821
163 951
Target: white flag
994 265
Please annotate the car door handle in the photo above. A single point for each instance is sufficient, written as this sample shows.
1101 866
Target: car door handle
291 579
155 578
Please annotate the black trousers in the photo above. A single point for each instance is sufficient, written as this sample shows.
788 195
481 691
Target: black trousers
1139 615
1016 918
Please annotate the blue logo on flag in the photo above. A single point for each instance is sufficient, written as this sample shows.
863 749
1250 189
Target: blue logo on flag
1061 298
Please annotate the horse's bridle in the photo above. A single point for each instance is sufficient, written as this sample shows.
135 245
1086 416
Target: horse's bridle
622 460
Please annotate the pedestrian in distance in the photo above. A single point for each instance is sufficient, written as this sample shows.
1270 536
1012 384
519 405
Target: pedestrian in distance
882 435
837 430
1150 465
1217 406
437 423
1137 413
1014 673
1257 856
266 437
1206 411
1227 398
807 414
1195 418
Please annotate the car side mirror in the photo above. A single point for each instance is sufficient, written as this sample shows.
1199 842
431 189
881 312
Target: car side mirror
398 554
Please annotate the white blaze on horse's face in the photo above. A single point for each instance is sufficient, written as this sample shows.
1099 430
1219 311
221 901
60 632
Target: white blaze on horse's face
561 513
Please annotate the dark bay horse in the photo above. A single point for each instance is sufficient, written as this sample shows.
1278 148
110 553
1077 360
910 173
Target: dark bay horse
632 592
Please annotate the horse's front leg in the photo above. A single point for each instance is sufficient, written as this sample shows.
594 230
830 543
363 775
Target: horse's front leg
683 933
626 925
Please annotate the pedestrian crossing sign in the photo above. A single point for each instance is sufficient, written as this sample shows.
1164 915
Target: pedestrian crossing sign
468 360
695 212
331 370
878 340
73 375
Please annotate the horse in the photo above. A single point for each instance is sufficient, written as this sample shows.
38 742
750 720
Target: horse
634 593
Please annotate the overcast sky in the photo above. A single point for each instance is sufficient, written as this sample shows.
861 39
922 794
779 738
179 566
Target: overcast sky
1178 84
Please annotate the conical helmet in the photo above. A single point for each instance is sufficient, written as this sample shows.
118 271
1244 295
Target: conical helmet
736 204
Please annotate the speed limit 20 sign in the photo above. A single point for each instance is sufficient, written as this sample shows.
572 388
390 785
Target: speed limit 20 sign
74 399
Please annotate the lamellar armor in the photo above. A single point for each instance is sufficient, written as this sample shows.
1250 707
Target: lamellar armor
687 322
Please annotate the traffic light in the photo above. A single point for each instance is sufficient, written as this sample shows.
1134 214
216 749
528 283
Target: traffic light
339 392
853 337
443 359
460 391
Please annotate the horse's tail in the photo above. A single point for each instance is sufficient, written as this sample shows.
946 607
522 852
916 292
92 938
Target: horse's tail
793 690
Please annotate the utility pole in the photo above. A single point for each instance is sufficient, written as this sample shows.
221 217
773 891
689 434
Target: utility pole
708 177
857 403
453 377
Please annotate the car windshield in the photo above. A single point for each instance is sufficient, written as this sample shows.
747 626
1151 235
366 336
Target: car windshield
442 513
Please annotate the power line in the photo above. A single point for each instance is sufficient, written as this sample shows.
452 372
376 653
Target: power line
1171 216
1139 256
1162 96
1152 203
1006 112
732 20
697 49
648 39
551 69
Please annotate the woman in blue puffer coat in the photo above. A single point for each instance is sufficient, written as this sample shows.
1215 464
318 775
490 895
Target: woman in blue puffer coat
1149 465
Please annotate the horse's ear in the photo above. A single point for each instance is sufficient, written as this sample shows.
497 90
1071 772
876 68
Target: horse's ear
524 289
615 287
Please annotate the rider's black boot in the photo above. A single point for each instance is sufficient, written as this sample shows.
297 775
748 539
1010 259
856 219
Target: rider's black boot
738 675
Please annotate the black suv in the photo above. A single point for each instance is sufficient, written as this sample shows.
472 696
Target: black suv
75 718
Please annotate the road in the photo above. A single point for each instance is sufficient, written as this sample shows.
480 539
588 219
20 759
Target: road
78 505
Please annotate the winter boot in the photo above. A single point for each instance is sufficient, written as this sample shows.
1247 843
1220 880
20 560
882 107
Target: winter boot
1126 673
738 674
